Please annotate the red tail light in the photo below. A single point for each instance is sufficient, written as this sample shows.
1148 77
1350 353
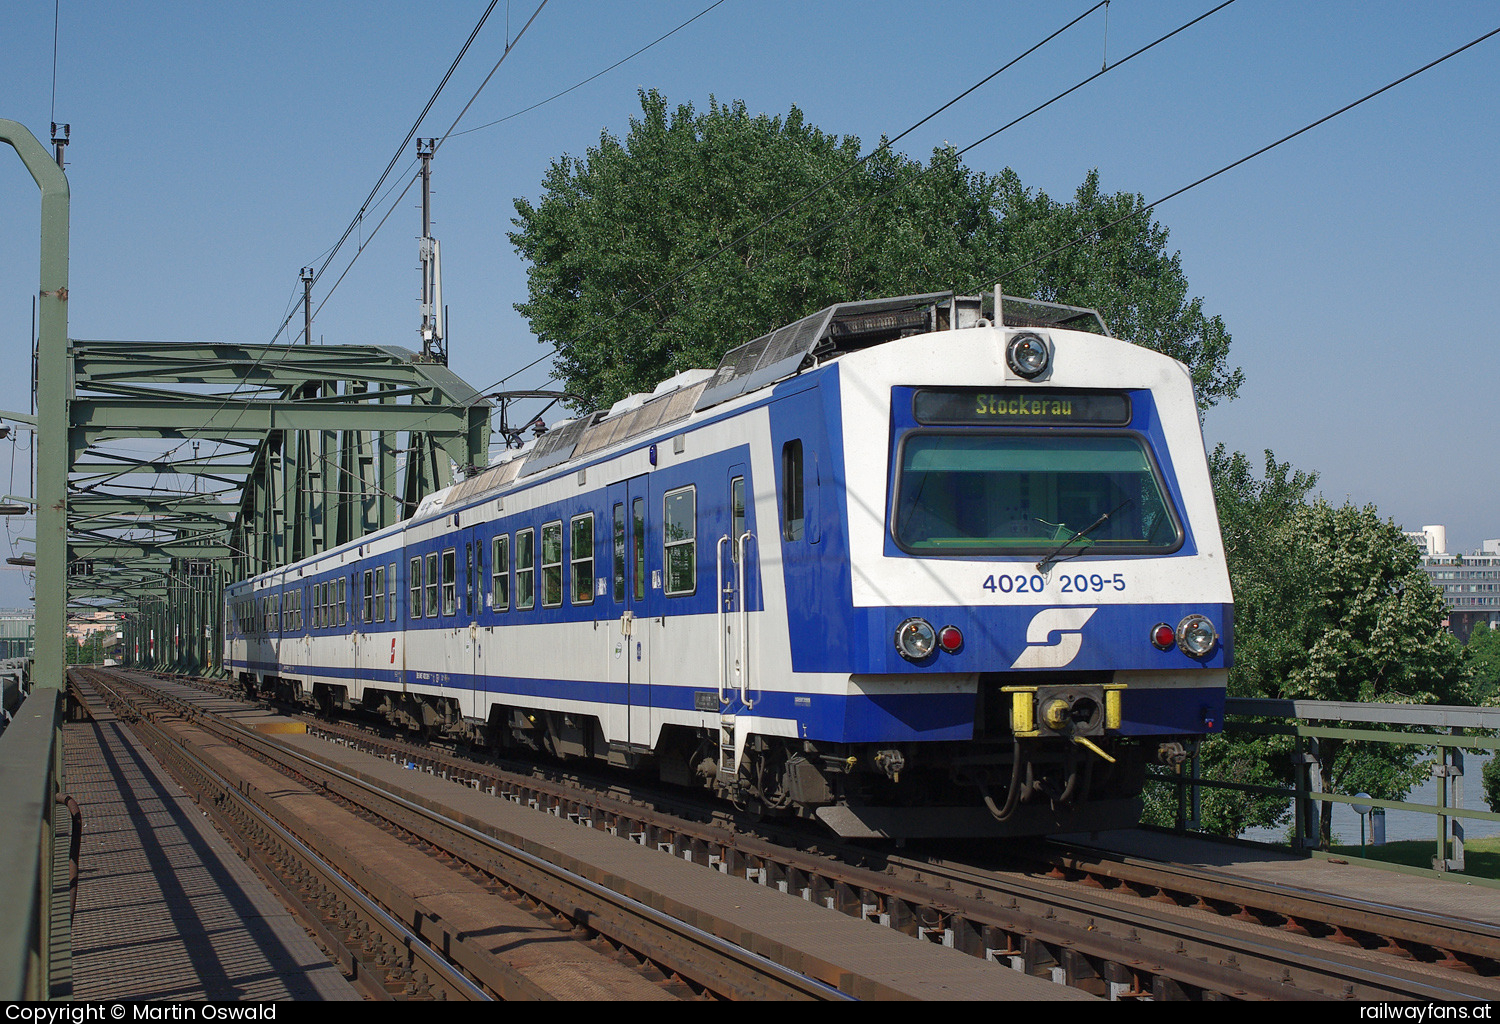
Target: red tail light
950 639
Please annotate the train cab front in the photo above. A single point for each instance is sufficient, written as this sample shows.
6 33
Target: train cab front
1048 553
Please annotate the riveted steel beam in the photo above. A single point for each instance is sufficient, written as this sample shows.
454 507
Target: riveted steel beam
52 403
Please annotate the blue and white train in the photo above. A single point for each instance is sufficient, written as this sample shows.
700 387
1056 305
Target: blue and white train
907 566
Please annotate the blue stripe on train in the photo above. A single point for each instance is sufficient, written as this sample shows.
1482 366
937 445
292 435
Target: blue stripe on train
860 718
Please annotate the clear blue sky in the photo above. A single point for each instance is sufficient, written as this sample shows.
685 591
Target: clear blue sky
219 147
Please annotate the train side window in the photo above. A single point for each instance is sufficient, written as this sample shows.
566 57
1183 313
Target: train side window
416 587
737 515
679 534
791 490
369 609
581 549
391 575
380 593
343 600
450 582
432 585
500 573
552 571
525 571
638 538
469 578
617 565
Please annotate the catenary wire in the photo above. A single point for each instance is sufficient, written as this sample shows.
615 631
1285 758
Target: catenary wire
1148 207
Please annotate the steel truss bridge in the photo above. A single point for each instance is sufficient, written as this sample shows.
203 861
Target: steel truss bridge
166 470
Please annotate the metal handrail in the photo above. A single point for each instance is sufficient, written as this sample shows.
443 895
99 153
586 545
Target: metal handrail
744 625
1303 796
29 759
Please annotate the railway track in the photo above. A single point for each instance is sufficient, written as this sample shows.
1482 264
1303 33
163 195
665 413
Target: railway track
1131 930
409 901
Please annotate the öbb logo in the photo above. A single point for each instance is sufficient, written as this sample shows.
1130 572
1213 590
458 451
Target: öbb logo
1067 623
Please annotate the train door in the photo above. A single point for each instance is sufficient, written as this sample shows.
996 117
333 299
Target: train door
359 639
377 649
471 601
627 642
736 576
455 567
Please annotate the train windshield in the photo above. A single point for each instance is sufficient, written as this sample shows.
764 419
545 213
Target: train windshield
984 493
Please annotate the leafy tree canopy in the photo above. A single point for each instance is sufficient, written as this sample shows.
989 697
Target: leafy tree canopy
614 237
1484 656
1330 604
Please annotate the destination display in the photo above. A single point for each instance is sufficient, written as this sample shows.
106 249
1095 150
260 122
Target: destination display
1020 406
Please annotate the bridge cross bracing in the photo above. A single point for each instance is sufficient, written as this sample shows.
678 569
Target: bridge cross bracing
195 464
165 470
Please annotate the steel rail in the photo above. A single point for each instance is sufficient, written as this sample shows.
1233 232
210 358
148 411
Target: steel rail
760 977
451 980
1294 966
1347 915
719 947
854 890
1031 938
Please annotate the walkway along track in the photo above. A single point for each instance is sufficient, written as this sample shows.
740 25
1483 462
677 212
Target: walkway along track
1098 941
301 830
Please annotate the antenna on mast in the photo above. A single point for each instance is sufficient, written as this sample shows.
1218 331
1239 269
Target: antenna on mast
434 345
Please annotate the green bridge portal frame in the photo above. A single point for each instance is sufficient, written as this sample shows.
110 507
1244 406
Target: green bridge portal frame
306 448
166 470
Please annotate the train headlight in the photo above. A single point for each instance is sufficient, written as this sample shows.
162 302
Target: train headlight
1028 355
915 639
1196 636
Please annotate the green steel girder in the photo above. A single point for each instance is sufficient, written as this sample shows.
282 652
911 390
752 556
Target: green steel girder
185 547
52 394
147 510
105 419
303 449
304 445
97 363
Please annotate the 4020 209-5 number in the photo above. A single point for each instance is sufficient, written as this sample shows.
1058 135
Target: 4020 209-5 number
1068 583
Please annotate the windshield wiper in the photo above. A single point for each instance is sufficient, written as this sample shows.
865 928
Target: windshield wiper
1047 562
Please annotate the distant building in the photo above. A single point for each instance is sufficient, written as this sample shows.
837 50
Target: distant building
17 633
1470 583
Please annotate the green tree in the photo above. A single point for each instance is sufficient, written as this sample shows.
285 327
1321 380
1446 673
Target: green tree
1123 270
1370 629
1330 604
1270 583
1484 657
805 223
1483 653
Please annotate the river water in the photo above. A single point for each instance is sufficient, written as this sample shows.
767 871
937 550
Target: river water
1401 825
